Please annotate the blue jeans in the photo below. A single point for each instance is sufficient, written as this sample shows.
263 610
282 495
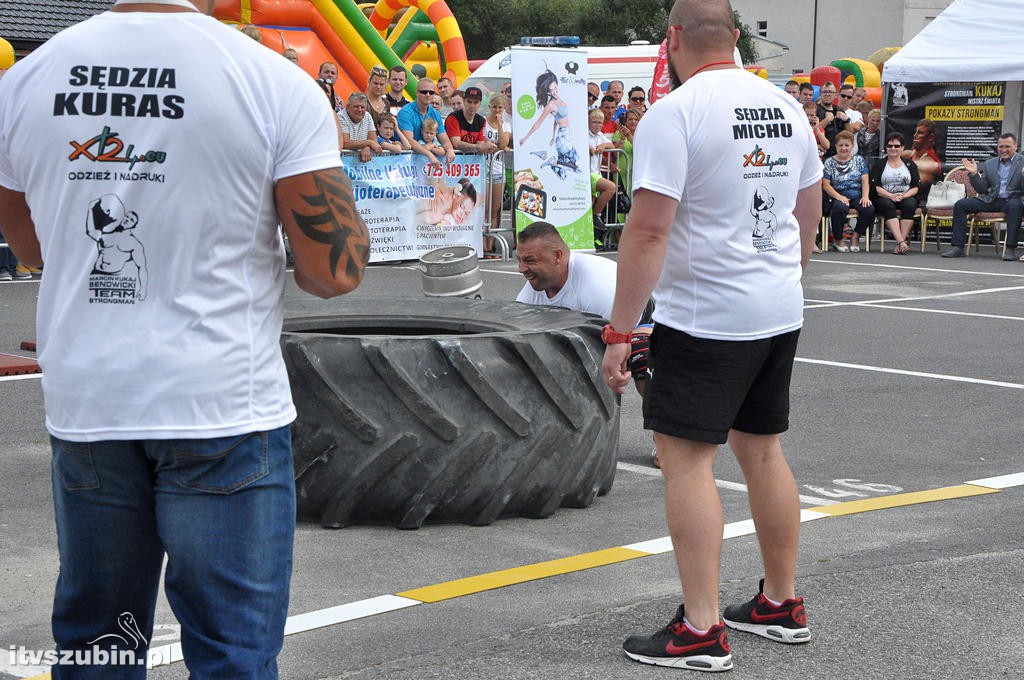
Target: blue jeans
7 259
222 509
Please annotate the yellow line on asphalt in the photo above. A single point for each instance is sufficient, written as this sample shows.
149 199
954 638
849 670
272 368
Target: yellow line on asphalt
902 499
599 558
529 572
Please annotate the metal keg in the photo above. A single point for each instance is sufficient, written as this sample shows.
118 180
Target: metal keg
450 272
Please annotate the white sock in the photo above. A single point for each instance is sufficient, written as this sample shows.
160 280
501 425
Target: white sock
772 602
694 629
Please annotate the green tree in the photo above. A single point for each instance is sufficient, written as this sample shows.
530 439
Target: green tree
746 45
489 26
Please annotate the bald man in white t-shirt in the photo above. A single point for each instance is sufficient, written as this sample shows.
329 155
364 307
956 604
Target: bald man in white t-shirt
556 276
720 230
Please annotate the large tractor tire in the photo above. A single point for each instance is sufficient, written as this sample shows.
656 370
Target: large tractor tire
449 409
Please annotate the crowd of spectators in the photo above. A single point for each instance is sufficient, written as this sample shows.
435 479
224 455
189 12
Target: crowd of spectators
863 178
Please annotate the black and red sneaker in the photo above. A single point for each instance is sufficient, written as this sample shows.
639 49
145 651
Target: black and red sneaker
677 646
786 623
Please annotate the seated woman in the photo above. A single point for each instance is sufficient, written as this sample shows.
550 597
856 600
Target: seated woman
845 181
894 185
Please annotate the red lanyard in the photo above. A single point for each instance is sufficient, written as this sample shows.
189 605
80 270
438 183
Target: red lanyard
714 63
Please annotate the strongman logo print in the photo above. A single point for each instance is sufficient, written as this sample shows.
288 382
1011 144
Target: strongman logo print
765 222
119 274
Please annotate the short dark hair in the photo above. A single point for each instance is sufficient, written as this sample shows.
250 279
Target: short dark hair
845 86
806 86
608 98
1009 135
898 136
637 88
544 230
791 82
396 69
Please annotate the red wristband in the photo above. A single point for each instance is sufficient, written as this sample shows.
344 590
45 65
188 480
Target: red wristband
610 336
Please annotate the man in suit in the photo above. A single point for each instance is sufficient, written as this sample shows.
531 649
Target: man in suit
1000 183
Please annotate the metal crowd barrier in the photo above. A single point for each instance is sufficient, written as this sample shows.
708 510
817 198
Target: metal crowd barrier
503 231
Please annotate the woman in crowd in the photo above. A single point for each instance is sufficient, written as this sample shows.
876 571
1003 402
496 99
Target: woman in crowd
846 182
623 139
497 130
894 186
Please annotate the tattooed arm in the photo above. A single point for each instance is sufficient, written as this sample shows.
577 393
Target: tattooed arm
328 238
17 227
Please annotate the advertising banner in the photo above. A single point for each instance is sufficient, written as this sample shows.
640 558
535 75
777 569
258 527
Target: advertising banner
411 207
550 141
943 123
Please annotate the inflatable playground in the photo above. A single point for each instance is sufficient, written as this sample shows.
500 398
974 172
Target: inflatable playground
866 73
357 37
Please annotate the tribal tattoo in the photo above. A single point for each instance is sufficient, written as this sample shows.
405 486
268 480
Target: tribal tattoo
344 229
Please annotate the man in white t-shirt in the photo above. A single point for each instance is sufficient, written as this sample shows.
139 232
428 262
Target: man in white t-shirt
719 229
559 277
151 179
357 130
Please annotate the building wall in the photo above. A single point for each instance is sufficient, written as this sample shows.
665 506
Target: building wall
839 30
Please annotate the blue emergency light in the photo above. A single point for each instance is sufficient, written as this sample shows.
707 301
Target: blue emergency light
550 41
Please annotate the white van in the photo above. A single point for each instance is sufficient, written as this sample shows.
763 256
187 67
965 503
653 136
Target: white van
632 64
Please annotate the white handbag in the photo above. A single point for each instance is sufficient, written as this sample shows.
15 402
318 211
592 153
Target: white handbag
943 195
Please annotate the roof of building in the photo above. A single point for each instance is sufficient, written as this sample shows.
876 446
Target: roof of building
39 20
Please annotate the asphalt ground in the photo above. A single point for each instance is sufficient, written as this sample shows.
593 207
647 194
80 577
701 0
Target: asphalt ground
909 379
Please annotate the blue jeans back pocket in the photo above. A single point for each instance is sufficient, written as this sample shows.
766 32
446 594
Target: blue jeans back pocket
221 465
72 461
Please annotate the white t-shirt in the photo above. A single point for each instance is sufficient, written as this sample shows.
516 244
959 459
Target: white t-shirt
590 287
491 134
360 131
596 140
896 180
149 172
855 117
741 150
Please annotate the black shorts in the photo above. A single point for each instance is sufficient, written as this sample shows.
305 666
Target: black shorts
700 389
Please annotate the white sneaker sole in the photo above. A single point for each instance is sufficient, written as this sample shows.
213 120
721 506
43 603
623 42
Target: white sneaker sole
788 636
707 664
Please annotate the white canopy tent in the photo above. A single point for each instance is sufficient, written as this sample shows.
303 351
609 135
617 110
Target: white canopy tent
970 41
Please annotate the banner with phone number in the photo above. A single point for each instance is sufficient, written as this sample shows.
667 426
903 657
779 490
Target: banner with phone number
411 207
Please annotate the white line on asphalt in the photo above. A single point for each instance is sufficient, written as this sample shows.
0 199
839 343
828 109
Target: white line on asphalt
1001 482
736 486
923 269
501 271
20 671
720 483
918 374
931 311
962 293
29 376
639 469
